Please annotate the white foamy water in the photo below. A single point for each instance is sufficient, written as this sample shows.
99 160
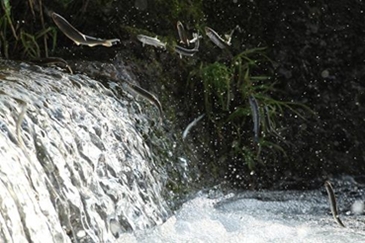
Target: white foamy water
254 217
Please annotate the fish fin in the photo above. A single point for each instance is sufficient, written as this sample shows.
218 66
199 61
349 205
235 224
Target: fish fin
83 36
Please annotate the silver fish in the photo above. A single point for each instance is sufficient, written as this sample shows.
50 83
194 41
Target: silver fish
152 41
255 116
182 34
184 51
78 37
332 199
191 124
187 52
52 61
136 90
216 39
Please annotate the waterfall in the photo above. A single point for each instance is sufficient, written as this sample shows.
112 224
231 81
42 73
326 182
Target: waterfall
74 164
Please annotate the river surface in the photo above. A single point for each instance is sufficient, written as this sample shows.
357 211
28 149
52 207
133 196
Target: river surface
269 216
83 162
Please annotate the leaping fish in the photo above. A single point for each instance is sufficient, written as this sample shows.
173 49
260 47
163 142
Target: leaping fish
188 52
136 90
78 37
152 41
191 124
182 34
52 61
255 116
332 199
216 39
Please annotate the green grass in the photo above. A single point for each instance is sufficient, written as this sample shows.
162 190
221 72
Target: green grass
27 39
226 87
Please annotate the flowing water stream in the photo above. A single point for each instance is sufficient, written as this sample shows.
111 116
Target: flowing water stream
75 165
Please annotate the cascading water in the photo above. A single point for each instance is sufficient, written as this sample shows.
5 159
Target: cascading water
74 165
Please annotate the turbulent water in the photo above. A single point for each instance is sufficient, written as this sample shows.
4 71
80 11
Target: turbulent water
75 166
256 217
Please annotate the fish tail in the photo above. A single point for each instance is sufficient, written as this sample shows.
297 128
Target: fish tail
111 42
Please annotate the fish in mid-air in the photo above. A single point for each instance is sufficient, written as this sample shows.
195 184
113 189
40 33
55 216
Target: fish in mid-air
52 61
138 91
191 124
152 41
216 39
78 37
188 52
332 199
182 34
255 116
